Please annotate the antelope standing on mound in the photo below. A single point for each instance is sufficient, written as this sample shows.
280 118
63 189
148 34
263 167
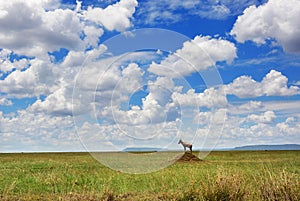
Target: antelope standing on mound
185 145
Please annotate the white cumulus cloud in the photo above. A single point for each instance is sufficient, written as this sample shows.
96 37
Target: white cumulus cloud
114 17
38 27
289 126
44 26
196 55
273 84
266 117
275 19
209 98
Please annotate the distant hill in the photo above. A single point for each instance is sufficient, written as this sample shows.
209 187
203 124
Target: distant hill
270 147
141 149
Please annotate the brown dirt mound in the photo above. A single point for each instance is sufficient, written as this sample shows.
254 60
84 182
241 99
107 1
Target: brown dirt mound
188 157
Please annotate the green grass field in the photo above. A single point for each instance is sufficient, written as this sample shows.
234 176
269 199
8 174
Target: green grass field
238 175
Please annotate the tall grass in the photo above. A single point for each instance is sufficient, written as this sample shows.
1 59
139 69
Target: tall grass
221 176
282 187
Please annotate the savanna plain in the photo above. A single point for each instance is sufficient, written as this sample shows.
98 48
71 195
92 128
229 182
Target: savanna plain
224 175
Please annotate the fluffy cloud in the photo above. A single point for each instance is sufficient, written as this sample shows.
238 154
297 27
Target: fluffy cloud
37 29
259 128
57 103
5 102
289 126
154 107
209 98
7 64
273 84
27 131
217 49
22 84
92 35
196 55
44 27
266 117
275 19
60 81
131 79
114 17
37 79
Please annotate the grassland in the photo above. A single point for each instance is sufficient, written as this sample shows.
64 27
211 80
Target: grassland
238 175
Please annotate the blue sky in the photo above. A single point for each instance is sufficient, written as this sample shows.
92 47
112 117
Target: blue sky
106 75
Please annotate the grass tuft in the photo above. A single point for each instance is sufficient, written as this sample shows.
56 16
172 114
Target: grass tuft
281 187
226 188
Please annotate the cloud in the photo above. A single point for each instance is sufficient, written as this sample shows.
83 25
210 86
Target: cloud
246 107
261 128
289 126
275 19
39 78
117 137
92 35
5 102
209 98
251 105
59 78
283 109
27 131
108 81
22 84
196 55
8 64
217 49
203 118
273 84
267 117
54 81
114 17
164 11
37 29
58 103
45 26
154 106
131 78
